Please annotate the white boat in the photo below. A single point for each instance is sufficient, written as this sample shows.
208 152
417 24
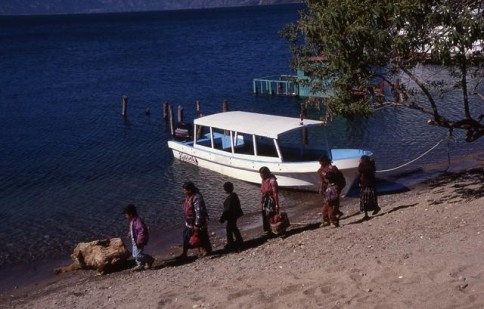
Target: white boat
238 143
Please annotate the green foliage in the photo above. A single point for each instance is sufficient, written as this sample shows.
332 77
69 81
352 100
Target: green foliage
350 43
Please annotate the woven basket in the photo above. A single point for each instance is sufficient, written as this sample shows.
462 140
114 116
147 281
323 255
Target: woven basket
279 223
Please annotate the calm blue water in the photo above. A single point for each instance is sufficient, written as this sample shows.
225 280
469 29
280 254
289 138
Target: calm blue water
69 162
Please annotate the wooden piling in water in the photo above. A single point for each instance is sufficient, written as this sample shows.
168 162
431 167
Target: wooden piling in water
165 110
172 120
304 132
124 110
199 129
305 135
225 106
304 111
197 108
180 114
199 132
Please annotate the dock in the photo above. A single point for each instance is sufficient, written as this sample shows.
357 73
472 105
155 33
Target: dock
283 85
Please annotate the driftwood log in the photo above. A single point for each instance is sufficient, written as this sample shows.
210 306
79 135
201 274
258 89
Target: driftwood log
104 256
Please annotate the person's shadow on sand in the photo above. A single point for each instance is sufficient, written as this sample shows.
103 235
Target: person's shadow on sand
172 262
247 244
364 219
258 241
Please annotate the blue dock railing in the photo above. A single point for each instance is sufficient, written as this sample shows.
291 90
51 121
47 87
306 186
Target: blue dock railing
276 85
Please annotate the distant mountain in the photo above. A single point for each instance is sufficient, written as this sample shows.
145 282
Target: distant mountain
48 7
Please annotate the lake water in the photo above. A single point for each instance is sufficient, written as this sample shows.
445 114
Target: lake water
69 162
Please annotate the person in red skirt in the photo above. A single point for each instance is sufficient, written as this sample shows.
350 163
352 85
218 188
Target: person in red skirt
270 198
330 189
367 182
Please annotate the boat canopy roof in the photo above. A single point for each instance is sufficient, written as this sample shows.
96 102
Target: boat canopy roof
254 123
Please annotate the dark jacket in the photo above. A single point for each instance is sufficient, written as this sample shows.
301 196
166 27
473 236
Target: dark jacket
232 209
367 176
195 211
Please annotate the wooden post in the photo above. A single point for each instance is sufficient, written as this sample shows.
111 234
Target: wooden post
199 132
172 120
197 108
305 135
199 129
302 115
304 111
225 106
180 114
124 111
165 110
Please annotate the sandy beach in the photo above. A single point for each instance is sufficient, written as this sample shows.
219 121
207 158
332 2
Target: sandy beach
425 249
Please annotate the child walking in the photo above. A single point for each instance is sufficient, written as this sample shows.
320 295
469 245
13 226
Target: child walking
232 211
138 233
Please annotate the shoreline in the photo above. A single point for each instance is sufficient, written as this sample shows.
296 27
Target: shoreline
167 243
419 252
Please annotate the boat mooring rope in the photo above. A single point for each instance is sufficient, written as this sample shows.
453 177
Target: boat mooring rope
419 157
390 104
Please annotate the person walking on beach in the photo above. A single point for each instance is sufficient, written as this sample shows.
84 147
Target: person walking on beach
138 233
367 182
331 184
270 198
196 221
232 211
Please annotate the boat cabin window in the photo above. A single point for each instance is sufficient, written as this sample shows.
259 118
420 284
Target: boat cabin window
245 145
242 143
291 145
203 138
294 148
266 147
221 140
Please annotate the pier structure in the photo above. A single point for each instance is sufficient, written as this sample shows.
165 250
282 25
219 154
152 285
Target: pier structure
283 85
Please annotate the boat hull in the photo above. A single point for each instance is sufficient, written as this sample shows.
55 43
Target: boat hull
294 175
